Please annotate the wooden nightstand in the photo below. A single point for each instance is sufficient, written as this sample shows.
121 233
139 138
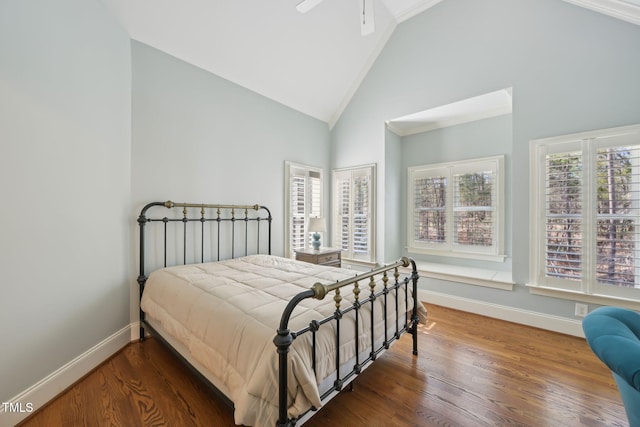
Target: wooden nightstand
323 256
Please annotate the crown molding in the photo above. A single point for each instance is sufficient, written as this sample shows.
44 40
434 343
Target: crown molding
414 9
617 8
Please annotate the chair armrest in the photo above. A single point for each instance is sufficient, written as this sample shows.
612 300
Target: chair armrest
613 334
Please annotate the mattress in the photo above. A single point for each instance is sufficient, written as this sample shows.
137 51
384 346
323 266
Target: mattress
226 313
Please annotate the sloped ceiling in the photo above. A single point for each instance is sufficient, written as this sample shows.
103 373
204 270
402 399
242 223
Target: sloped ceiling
310 62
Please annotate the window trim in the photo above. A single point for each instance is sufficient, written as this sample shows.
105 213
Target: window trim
493 253
370 170
583 290
288 250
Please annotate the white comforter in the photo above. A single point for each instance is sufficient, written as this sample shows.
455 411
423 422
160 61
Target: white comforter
226 314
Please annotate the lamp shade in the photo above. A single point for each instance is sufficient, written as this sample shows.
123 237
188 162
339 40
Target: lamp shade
317 225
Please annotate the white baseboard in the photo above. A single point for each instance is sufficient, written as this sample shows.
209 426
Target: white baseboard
516 315
135 331
36 396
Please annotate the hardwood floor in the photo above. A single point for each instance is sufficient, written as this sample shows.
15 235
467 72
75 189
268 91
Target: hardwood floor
470 371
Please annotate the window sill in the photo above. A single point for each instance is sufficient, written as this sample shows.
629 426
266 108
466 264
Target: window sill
458 254
348 262
471 276
598 299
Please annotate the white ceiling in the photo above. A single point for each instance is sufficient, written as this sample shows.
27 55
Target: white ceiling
311 62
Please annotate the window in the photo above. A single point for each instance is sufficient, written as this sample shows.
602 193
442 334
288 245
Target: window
303 196
354 212
455 209
585 191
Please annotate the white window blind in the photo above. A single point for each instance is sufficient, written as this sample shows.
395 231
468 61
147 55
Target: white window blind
430 208
342 183
586 199
456 209
353 212
361 209
473 208
304 195
617 248
563 211
298 209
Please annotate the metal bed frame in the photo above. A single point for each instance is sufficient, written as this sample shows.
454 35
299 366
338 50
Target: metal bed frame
238 218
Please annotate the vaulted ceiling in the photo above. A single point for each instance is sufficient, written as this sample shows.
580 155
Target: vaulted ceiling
311 62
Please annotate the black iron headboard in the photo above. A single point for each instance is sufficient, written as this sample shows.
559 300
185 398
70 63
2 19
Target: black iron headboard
226 224
194 219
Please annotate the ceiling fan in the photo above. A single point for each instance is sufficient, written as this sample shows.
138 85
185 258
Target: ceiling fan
367 26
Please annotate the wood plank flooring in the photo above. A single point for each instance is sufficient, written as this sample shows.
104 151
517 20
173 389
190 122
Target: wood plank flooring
470 371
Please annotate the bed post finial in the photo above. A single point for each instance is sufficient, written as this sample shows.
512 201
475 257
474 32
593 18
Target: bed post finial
319 291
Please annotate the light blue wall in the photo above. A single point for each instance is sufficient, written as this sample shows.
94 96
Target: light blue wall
571 70
394 223
200 138
65 142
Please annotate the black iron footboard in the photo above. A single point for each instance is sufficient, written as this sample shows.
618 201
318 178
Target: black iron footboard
285 337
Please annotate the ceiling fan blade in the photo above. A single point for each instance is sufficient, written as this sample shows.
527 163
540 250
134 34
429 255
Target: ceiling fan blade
307 5
367 25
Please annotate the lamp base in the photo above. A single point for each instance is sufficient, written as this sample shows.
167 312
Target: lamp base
316 241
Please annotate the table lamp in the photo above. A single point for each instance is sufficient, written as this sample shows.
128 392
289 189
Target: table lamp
317 226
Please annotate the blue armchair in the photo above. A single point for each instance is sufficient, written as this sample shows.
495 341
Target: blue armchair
614 336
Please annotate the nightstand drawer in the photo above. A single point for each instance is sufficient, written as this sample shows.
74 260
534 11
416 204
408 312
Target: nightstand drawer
329 258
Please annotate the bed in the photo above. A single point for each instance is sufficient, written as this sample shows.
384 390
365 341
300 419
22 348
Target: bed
275 338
